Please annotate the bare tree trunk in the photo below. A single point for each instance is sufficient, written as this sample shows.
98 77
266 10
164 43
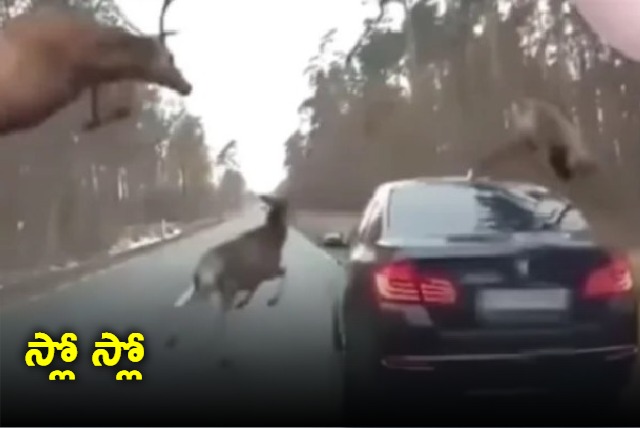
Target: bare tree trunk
411 52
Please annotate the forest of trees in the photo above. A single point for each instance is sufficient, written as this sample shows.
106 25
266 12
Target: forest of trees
426 99
423 99
68 194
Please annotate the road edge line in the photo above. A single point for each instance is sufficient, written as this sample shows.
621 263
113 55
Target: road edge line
20 293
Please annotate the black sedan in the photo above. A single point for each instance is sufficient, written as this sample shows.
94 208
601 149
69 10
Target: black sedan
469 286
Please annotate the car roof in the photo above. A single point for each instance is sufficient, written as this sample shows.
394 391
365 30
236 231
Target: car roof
521 187
525 194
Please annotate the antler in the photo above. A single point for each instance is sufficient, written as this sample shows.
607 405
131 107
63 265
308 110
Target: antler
163 33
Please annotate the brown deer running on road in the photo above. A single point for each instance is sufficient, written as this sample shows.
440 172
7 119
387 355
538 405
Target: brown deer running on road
49 57
242 266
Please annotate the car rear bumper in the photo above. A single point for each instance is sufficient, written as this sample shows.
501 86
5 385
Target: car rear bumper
540 370
431 362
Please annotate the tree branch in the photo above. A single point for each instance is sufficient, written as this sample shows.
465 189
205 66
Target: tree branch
370 26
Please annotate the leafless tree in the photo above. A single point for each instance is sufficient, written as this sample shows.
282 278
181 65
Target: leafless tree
227 155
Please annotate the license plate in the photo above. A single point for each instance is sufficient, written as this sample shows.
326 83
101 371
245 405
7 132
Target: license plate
493 300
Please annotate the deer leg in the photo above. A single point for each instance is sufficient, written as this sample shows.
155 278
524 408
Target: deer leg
95 107
94 121
275 299
279 272
246 299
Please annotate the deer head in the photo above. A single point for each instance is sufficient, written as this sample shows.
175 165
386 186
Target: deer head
277 208
119 55
163 64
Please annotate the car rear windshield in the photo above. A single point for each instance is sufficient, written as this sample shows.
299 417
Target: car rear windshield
420 209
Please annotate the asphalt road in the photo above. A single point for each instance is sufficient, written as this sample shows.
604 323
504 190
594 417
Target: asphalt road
281 356
283 369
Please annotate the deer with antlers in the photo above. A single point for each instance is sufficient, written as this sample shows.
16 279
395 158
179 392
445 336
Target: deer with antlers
49 57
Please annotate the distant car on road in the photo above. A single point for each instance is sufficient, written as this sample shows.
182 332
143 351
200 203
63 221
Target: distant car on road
458 285
333 239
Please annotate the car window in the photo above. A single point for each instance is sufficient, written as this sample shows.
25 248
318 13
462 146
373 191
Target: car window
449 208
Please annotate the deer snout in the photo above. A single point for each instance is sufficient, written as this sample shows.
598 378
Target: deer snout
183 87
173 79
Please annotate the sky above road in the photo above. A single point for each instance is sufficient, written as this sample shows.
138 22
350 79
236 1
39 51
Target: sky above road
246 61
246 58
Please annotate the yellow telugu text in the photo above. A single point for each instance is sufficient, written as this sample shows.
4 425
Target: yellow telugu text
133 345
42 351
62 375
129 375
66 346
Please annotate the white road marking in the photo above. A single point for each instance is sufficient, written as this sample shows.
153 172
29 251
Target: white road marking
185 297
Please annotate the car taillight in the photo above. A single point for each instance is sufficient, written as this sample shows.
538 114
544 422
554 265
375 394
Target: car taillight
403 282
609 280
